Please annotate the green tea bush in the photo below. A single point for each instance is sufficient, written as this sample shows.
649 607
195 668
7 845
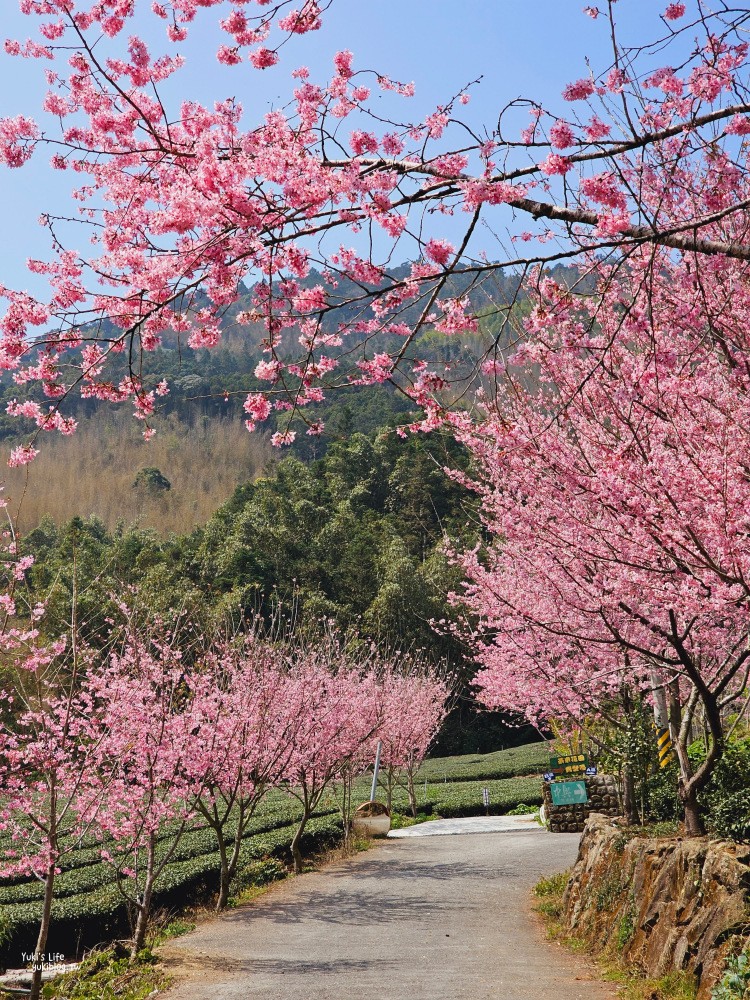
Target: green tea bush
464 798
6 928
261 872
103 909
530 759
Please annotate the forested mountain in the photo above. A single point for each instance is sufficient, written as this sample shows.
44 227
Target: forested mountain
350 527
201 447
214 382
357 538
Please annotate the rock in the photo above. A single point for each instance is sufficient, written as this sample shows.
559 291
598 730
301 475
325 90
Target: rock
684 899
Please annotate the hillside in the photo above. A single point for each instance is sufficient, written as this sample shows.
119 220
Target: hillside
99 471
201 447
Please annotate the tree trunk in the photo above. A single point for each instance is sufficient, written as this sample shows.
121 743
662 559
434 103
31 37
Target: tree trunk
629 802
389 790
694 826
412 792
346 813
144 907
296 852
228 865
41 941
224 876
229 868
689 784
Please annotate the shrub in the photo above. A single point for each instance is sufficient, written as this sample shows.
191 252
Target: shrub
258 873
626 928
522 810
661 791
735 983
727 798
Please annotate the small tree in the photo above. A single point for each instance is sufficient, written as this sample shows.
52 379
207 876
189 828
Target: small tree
412 711
140 694
151 481
336 703
49 798
244 735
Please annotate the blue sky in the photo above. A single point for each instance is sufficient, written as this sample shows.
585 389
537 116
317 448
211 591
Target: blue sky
531 49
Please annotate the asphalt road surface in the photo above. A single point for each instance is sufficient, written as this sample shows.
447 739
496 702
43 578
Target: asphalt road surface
442 917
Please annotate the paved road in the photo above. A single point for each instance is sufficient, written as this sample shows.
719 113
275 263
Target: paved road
433 918
468 824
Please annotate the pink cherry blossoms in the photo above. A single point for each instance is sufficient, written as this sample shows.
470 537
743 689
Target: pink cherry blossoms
187 202
147 739
612 472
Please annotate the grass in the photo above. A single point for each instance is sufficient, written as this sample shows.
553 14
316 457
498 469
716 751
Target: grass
549 892
631 985
108 975
170 929
553 885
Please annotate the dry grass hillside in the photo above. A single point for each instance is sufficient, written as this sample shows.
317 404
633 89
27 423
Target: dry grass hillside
95 470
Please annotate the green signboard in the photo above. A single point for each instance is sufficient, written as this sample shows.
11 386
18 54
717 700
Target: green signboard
575 763
568 793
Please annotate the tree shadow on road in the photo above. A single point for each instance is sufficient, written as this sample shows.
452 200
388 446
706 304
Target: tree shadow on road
228 967
346 908
424 870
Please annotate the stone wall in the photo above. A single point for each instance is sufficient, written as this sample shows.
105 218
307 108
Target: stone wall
603 793
665 904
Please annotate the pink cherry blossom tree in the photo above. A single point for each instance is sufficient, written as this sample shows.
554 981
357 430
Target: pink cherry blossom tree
614 478
243 739
186 202
148 793
413 708
335 700
49 741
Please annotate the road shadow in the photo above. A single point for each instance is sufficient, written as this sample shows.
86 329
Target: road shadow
228 967
410 870
350 909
